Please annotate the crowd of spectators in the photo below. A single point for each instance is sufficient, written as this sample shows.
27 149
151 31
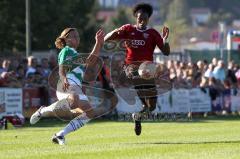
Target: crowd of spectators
220 79
30 72
205 74
33 72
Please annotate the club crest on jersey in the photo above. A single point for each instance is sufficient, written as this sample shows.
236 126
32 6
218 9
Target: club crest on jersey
132 33
68 58
145 35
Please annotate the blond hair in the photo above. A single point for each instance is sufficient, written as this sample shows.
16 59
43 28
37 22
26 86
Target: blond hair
61 40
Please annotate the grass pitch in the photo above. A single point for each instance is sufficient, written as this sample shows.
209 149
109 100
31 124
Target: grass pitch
199 139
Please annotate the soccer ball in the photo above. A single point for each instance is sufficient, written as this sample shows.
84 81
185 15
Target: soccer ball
147 70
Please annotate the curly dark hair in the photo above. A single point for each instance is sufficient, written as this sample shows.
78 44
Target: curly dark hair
147 8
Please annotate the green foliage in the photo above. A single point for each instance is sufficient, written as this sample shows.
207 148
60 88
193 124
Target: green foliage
196 3
58 15
48 19
178 9
12 24
177 21
123 16
178 29
164 8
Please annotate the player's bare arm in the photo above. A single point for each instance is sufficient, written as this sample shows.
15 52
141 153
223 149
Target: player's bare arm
166 47
63 78
99 37
112 35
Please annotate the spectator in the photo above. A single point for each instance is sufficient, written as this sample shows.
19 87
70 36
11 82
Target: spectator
200 66
226 97
205 65
172 71
231 74
20 74
178 69
5 66
24 64
209 71
204 82
197 74
214 62
219 72
14 65
214 92
8 79
53 61
190 73
32 63
237 74
45 67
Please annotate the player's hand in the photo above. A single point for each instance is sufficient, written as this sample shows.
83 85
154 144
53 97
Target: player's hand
65 84
99 37
165 32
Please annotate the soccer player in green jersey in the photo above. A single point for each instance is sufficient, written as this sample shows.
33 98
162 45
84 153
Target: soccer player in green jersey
69 91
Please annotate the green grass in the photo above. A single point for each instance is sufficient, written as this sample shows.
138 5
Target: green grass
199 139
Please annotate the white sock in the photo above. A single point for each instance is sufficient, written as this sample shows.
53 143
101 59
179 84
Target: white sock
61 104
74 125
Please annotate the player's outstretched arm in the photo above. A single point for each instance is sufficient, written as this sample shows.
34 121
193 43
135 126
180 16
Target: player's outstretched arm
99 37
112 35
166 47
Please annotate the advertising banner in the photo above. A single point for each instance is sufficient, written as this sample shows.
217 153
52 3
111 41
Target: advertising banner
10 101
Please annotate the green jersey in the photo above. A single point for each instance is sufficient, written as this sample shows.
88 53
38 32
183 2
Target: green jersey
66 57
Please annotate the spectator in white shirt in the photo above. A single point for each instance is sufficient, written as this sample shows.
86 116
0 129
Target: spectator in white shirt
219 72
32 63
209 71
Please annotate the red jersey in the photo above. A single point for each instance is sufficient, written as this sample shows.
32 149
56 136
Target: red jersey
141 43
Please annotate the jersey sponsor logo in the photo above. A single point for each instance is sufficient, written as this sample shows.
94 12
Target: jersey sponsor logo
138 42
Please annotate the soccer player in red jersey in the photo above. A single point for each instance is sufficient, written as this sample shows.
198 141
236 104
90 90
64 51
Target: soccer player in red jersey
140 42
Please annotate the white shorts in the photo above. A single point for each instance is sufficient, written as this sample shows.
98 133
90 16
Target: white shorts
74 88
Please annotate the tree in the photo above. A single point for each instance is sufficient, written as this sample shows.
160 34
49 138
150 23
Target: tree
12 25
178 9
123 16
48 19
177 21
59 14
164 7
